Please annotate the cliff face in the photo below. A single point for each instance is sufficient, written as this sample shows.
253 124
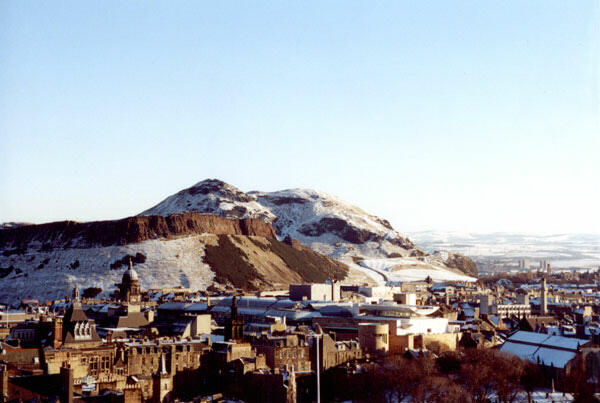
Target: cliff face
65 234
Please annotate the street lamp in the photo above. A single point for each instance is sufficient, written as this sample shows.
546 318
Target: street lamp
317 336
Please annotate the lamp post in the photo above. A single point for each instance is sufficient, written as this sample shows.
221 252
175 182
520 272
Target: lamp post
316 337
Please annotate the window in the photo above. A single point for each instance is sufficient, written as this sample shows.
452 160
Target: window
94 365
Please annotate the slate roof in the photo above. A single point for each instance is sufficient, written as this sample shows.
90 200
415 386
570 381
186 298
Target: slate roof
546 349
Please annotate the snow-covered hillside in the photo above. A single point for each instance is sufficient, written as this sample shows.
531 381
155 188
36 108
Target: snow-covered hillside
410 269
52 274
331 226
324 222
183 242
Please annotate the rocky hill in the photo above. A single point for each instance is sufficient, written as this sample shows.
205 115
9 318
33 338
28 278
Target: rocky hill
214 234
323 222
188 249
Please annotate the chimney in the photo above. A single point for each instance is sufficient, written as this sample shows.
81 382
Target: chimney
66 377
57 332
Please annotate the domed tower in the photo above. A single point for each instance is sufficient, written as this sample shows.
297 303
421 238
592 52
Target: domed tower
129 289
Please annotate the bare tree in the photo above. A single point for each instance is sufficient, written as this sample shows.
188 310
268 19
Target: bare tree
477 375
531 379
508 372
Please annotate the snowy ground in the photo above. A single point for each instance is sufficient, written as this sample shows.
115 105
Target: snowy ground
412 269
169 263
367 272
545 396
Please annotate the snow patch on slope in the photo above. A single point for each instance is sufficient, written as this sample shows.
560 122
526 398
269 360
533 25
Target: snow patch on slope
299 211
212 196
169 263
413 269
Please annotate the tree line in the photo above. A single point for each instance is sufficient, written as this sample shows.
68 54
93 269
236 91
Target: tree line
470 376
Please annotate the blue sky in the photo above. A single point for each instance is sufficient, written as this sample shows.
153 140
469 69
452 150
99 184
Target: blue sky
468 115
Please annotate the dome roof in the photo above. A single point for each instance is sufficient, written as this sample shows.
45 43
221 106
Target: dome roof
130 274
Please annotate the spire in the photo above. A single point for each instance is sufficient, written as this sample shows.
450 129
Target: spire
76 296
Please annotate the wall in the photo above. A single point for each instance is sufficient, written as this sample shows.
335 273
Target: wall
437 343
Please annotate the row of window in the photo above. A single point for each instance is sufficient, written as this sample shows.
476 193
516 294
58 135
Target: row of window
286 354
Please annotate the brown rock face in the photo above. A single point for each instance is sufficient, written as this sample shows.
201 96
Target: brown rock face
462 263
130 230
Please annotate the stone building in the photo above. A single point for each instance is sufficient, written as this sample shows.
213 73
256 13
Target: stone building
76 330
333 353
373 337
286 351
329 291
96 362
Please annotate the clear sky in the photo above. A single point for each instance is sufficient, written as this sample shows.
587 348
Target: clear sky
448 115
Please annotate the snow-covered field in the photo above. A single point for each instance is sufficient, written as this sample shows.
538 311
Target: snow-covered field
412 269
564 251
169 263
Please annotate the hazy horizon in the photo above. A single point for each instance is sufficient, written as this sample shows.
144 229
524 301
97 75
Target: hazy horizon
472 117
